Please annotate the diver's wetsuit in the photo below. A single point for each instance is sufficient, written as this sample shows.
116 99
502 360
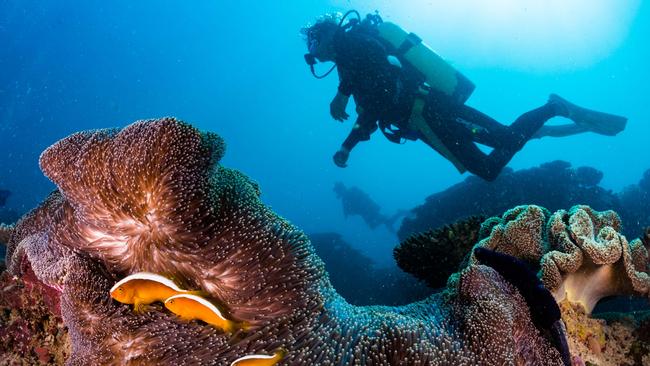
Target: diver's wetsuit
385 94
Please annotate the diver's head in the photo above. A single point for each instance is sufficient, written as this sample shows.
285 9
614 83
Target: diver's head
320 37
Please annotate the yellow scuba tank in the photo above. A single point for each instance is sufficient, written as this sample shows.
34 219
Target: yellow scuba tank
438 74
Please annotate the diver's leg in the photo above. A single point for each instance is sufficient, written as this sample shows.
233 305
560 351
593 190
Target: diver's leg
459 142
484 129
475 161
529 123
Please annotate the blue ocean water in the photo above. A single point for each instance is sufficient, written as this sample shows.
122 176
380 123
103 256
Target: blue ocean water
236 68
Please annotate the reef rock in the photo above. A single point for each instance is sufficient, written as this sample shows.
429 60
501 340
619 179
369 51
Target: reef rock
554 185
357 278
152 197
32 331
635 205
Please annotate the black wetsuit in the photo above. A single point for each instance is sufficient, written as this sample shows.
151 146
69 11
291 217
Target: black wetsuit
386 93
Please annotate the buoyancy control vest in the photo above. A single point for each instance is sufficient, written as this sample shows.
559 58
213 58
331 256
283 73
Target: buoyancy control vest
438 75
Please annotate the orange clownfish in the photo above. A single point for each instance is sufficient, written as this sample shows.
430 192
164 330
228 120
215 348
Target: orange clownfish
144 288
190 307
261 360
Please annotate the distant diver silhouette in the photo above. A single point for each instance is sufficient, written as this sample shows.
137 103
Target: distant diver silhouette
357 202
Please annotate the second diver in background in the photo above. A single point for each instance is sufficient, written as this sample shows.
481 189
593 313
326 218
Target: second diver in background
357 202
406 90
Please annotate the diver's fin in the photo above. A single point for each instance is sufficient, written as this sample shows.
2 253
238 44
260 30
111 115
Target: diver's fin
598 122
560 130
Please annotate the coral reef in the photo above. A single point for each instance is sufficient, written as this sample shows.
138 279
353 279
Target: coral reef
356 278
598 341
435 254
644 183
5 233
4 194
581 254
645 238
640 348
544 311
554 185
582 259
151 197
635 205
32 331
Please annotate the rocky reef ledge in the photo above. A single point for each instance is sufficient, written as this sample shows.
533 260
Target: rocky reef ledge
153 197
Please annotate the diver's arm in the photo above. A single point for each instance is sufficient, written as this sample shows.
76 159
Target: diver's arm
338 105
365 125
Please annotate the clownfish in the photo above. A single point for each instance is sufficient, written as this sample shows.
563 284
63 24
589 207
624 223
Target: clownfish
261 360
191 307
144 288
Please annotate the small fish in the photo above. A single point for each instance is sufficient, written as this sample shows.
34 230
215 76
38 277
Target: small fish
190 307
261 360
144 288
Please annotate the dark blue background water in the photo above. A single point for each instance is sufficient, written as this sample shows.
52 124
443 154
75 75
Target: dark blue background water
236 68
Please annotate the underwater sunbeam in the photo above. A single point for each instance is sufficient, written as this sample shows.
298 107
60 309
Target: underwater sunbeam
542 35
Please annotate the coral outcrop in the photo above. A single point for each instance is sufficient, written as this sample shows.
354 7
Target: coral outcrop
31 329
152 197
582 258
635 205
554 185
357 278
582 255
434 255
5 233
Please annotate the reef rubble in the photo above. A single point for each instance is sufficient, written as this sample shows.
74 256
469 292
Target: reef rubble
153 197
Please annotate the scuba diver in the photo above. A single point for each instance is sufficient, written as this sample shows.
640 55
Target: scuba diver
402 87
357 202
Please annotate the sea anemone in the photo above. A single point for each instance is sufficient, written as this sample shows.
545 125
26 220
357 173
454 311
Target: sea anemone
152 197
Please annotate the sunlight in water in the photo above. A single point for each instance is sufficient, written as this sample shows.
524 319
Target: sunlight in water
524 34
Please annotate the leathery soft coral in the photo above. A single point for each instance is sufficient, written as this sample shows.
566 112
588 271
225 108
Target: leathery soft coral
582 255
152 197
582 259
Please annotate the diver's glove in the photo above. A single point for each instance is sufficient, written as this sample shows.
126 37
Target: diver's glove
341 157
338 105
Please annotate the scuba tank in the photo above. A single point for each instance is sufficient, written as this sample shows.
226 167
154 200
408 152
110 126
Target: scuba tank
438 74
